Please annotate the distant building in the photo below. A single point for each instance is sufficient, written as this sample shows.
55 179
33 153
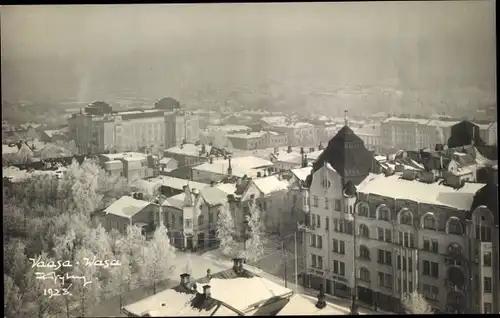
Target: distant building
187 128
276 139
131 165
170 186
248 140
298 133
217 170
217 135
189 154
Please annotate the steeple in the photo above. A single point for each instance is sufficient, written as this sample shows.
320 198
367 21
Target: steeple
346 118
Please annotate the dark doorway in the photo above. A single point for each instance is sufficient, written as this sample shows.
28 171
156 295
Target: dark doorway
365 295
201 241
189 243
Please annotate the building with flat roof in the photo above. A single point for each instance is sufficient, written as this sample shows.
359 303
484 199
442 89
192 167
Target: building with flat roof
248 140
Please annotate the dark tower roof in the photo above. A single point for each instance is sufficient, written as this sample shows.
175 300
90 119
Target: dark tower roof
347 154
463 133
488 196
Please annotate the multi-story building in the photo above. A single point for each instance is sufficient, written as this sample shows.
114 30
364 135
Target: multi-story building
276 139
189 154
248 140
131 165
217 135
298 133
406 133
238 167
187 128
386 235
371 136
191 217
122 131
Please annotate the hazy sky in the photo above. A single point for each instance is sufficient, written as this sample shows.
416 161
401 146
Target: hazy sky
355 40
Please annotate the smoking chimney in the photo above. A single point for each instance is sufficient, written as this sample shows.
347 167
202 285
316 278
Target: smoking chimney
229 168
346 118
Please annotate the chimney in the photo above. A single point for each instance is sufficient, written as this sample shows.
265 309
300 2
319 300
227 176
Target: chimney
320 147
206 291
229 168
321 299
211 159
209 274
304 161
203 149
212 184
238 265
185 279
302 150
473 135
346 118
259 174
276 150
289 150
230 198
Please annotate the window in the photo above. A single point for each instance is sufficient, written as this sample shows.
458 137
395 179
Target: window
430 292
454 226
326 203
380 232
384 280
364 231
430 222
373 213
406 239
487 308
327 223
337 205
294 199
318 220
319 241
342 247
487 285
431 245
188 223
483 233
364 275
405 263
384 235
406 218
384 257
335 225
383 213
388 236
363 210
364 253
320 262
349 227
431 269
339 268
315 201
341 226
487 259
314 263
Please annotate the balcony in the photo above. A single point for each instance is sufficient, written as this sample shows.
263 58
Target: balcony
301 226
454 260
363 258
454 287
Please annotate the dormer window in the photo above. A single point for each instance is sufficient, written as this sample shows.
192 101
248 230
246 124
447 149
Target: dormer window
405 217
430 222
383 213
454 226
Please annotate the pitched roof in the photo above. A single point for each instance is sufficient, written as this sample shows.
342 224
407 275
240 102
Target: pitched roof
302 173
435 193
126 207
487 196
176 201
177 183
271 184
213 196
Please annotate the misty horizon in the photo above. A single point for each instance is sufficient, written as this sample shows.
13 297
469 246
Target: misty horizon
88 51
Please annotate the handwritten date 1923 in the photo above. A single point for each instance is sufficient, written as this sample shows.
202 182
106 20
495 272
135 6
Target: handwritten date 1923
52 292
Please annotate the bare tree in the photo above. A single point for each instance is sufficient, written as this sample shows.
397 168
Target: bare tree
415 304
226 232
158 258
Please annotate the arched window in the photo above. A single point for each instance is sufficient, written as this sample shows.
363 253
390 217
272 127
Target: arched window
429 221
454 226
363 209
201 219
364 252
405 217
364 231
455 249
384 213
364 275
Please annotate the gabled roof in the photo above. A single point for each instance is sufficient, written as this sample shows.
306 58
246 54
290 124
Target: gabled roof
126 207
213 196
301 173
269 185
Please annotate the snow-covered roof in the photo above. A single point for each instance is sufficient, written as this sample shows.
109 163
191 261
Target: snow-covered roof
228 128
189 150
289 158
213 196
177 183
274 119
295 125
303 305
381 158
171 303
240 166
248 135
442 123
165 160
126 207
436 194
269 185
124 155
176 201
302 173
421 121
256 290
145 186
284 154
228 188
6 149
314 155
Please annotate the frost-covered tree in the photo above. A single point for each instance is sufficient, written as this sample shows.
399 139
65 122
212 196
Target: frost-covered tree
415 304
254 244
88 289
159 258
133 245
121 277
12 297
226 232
